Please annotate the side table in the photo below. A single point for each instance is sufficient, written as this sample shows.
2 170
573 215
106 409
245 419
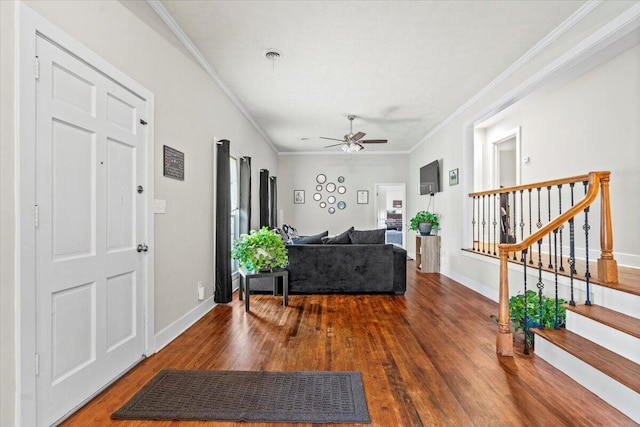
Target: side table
245 279
428 254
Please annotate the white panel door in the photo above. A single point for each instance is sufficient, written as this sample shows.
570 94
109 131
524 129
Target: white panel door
89 273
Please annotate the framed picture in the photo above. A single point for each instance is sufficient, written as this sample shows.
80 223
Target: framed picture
298 196
173 163
363 197
453 177
397 204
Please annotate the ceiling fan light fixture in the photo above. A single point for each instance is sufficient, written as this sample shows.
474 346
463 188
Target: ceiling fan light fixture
345 148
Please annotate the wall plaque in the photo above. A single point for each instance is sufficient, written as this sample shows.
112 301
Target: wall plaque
173 163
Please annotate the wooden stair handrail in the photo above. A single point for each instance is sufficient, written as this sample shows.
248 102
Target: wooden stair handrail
551 183
594 179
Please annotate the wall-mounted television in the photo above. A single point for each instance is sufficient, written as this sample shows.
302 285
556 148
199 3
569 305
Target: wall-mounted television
430 178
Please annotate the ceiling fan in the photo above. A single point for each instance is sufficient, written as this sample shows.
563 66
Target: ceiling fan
352 142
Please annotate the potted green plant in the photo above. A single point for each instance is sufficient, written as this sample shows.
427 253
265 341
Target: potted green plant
532 320
261 250
423 222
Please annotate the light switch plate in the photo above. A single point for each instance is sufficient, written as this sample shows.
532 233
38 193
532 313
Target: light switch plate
160 206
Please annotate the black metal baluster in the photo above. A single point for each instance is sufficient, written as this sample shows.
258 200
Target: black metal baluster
586 227
483 224
489 224
549 208
530 231
539 223
572 250
515 225
522 222
495 222
572 259
555 272
526 321
473 223
562 226
573 254
540 285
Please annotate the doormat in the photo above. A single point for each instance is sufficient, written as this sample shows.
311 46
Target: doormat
298 397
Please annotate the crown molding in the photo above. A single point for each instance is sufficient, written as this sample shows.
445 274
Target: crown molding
339 153
199 57
576 17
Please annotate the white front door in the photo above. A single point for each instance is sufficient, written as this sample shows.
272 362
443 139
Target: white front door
90 146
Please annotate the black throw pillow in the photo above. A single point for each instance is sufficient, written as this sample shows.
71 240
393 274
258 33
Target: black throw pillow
316 239
340 239
367 236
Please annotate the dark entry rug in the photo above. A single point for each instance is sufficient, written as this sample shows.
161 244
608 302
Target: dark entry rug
306 397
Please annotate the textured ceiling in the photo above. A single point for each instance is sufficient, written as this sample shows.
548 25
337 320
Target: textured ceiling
402 67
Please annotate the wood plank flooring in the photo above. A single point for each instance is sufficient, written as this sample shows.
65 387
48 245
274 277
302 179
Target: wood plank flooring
427 359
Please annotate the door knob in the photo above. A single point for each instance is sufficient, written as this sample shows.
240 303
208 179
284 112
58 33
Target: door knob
143 248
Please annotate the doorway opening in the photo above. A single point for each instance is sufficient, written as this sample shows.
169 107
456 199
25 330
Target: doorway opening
390 212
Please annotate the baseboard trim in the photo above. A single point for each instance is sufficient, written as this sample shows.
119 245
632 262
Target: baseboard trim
474 285
174 330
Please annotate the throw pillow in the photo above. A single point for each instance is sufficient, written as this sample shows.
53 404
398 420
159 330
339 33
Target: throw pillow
289 231
368 236
316 239
282 234
340 239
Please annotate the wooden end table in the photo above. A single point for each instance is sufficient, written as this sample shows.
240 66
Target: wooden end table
245 279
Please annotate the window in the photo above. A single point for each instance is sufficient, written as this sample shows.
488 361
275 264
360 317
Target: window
235 210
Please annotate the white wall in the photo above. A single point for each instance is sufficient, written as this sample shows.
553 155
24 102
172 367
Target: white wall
588 123
190 110
591 123
7 221
361 171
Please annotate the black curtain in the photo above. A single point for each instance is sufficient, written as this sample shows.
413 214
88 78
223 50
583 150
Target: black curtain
264 198
223 290
273 202
244 204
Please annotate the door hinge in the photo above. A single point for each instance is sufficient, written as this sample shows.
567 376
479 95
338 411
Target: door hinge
37 364
142 122
36 216
37 68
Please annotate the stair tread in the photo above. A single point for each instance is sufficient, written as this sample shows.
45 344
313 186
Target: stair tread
612 364
622 322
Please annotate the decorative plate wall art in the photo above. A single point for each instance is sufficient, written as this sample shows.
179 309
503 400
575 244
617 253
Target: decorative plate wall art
327 199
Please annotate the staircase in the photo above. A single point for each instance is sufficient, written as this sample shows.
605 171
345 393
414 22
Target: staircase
600 347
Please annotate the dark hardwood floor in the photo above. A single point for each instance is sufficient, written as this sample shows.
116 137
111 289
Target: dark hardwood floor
427 358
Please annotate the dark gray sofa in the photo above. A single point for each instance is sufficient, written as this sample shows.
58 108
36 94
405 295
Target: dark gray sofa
348 268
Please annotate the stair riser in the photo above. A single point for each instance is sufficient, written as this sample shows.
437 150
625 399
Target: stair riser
622 302
615 394
612 339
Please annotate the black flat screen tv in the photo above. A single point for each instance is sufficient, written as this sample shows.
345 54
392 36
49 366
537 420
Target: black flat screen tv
430 178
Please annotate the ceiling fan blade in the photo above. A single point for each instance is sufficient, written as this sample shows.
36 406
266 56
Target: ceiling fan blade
334 145
373 141
331 139
358 136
